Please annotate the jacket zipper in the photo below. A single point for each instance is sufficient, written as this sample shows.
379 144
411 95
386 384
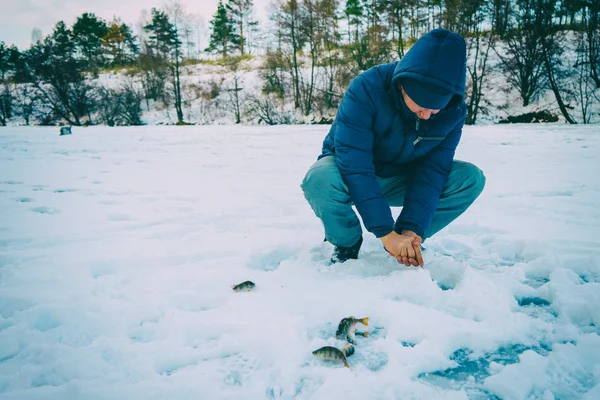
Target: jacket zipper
419 138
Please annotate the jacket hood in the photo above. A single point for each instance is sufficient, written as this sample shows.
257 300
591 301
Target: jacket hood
438 59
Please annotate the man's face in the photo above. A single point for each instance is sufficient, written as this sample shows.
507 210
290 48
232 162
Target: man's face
422 113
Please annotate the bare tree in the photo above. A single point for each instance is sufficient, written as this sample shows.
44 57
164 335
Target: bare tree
523 58
478 51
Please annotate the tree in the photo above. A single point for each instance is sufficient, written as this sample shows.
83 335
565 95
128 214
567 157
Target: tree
240 17
88 32
119 44
591 16
164 40
222 34
551 52
52 67
523 61
354 14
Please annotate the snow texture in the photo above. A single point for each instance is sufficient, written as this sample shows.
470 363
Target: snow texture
119 247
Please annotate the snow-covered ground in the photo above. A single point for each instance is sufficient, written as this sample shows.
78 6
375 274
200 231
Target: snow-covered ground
118 249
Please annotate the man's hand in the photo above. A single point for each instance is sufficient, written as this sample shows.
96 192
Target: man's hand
406 248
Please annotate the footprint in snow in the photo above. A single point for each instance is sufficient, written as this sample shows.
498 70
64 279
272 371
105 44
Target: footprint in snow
45 210
119 217
271 260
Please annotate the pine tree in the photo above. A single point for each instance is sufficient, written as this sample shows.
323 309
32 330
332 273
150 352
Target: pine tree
221 31
119 43
164 38
243 25
88 32
163 34
354 13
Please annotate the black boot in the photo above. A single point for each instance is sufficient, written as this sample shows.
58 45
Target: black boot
341 254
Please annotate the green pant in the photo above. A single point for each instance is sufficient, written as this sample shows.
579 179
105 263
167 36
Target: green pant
329 197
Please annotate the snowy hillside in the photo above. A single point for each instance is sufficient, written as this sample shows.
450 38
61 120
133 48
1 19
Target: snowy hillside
119 246
207 92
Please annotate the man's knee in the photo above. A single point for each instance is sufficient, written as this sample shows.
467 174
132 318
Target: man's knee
322 179
474 177
471 177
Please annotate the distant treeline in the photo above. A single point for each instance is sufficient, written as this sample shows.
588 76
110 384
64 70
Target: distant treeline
311 49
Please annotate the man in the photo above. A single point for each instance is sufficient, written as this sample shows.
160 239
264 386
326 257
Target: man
392 144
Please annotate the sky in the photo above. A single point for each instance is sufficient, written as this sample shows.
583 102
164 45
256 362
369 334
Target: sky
18 18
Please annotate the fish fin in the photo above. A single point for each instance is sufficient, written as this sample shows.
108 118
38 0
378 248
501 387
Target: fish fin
365 321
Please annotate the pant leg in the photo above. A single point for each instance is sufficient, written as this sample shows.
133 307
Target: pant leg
329 197
464 185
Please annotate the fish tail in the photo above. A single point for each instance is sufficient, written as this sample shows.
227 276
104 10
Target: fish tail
364 321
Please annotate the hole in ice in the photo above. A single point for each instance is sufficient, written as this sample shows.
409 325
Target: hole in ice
65 190
535 301
24 199
10 182
469 369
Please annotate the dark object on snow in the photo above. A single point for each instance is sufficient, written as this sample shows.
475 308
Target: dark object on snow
530 118
348 350
65 130
244 286
346 327
342 254
331 353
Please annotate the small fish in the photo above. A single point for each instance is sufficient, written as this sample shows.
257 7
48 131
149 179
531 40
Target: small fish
346 325
330 353
351 338
244 286
348 350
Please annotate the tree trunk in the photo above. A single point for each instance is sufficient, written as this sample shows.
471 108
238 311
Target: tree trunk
553 85
294 7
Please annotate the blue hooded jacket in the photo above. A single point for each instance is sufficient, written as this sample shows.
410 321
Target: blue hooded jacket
375 134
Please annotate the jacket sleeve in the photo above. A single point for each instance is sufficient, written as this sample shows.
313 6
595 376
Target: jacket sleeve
353 143
426 183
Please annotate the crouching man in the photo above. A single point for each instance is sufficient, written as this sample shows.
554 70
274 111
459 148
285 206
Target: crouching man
392 144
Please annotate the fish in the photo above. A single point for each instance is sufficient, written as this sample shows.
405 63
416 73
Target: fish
346 325
348 350
244 286
351 337
331 353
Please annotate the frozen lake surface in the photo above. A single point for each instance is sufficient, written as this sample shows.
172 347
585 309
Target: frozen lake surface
119 247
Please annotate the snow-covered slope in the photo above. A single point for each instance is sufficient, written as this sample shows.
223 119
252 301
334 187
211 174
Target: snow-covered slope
118 248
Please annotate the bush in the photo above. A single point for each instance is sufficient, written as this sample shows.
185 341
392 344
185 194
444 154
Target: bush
529 118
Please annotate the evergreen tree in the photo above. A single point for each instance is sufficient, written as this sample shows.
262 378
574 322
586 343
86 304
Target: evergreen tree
221 31
119 44
354 14
88 32
58 76
164 38
243 25
162 34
